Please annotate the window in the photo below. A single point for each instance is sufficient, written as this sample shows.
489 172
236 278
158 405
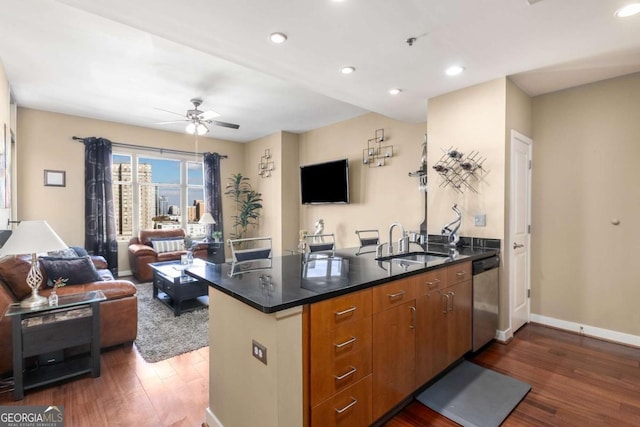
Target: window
158 192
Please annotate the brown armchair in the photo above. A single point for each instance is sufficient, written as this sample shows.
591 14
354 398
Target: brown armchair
141 251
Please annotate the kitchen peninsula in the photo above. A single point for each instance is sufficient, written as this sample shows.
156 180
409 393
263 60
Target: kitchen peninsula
331 338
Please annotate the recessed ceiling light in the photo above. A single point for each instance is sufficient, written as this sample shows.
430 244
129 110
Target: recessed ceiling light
278 38
347 70
454 70
628 10
395 91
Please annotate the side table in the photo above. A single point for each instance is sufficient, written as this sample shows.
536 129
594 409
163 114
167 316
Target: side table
215 251
39 330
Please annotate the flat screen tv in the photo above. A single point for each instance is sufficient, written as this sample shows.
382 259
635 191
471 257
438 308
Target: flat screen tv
325 182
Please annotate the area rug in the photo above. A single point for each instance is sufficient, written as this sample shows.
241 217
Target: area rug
161 335
474 396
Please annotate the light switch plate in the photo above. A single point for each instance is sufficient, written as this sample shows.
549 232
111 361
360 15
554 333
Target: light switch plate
480 220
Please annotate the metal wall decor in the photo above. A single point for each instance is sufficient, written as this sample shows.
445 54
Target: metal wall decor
421 173
375 154
457 169
266 164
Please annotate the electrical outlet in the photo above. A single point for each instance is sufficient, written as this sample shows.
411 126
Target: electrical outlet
480 220
259 351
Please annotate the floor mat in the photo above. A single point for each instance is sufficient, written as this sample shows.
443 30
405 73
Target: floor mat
474 396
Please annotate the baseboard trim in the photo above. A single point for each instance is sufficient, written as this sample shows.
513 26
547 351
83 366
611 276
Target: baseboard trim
590 331
211 418
122 273
504 336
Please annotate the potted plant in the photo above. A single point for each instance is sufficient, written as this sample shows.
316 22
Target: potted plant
247 202
217 236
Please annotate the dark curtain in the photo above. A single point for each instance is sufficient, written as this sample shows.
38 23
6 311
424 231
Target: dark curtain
100 219
212 188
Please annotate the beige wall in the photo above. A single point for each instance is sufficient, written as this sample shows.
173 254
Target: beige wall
270 223
478 118
45 143
471 119
585 174
379 196
5 127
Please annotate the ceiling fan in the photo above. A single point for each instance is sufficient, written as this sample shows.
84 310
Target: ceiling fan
197 120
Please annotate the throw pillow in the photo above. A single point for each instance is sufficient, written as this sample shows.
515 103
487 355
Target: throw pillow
63 253
167 245
75 270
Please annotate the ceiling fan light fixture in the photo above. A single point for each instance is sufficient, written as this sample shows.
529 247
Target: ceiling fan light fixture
201 129
191 128
628 10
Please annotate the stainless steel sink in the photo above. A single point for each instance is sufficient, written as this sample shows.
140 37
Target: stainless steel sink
414 257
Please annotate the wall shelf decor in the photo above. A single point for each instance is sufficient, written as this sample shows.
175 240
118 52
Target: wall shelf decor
266 164
458 169
375 154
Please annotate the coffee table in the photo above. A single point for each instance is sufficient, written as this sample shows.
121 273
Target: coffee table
177 290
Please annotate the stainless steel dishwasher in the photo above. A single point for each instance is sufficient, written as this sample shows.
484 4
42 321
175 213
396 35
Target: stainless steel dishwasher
486 300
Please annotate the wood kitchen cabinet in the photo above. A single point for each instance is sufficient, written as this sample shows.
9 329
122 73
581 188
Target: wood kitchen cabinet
443 325
394 356
371 349
340 364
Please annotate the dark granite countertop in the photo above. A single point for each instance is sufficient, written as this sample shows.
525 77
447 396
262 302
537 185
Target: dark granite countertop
292 280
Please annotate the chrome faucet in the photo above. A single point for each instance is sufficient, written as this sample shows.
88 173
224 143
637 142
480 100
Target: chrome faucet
451 229
403 242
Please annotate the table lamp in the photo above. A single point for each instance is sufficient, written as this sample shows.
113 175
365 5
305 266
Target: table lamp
208 221
33 237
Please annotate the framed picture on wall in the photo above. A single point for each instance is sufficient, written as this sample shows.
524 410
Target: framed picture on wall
54 178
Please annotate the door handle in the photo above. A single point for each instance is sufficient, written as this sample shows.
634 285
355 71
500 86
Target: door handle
517 245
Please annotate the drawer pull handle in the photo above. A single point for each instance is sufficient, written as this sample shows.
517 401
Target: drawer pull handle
346 343
396 295
343 312
346 408
433 283
460 273
343 376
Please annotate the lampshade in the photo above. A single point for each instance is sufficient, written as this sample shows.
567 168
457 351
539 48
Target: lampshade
207 218
32 237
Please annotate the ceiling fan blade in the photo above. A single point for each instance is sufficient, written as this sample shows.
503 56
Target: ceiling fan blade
172 121
224 124
172 112
208 115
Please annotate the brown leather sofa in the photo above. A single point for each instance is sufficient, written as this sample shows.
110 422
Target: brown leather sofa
118 313
141 252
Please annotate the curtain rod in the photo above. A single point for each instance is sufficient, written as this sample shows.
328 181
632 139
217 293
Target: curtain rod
143 147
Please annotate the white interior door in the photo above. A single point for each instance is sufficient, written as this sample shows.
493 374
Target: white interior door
519 230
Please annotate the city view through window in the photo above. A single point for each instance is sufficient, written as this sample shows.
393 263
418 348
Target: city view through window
160 193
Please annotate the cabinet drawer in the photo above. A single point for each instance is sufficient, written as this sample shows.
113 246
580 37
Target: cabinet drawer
349 408
458 273
341 357
431 281
337 311
393 294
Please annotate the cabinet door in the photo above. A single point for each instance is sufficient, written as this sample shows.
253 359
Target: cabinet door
459 321
432 351
393 356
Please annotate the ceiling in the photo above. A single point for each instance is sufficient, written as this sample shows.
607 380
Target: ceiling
126 61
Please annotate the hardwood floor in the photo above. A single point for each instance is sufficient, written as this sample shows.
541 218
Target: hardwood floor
132 392
576 381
